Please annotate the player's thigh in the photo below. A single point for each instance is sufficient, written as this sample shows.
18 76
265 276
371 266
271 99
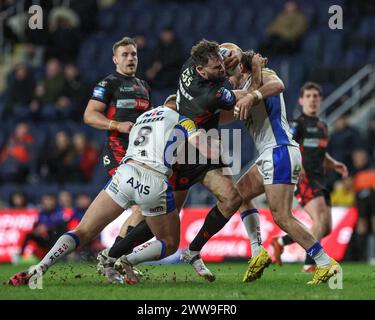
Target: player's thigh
250 185
222 186
100 213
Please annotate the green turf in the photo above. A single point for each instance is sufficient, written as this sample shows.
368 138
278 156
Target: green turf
80 281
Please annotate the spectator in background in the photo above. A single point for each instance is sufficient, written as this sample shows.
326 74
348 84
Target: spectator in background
20 89
371 139
343 136
65 202
73 96
364 187
49 227
90 250
284 34
59 164
17 156
166 61
144 53
18 200
343 194
64 35
86 156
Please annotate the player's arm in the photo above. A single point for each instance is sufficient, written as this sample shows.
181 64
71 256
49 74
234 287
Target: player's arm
94 113
339 167
208 147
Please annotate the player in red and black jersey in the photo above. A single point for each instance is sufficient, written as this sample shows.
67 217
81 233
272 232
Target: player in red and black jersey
117 101
312 135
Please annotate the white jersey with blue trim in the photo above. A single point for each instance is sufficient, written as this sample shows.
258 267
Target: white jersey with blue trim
157 136
267 121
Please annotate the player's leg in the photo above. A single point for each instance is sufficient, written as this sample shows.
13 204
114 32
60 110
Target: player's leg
250 186
101 212
284 163
229 200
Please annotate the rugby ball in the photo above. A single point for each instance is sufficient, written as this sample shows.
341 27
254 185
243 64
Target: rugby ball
226 49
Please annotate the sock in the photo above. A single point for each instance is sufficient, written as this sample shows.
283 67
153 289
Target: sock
138 235
309 261
67 243
317 252
130 228
250 219
118 238
213 223
286 240
153 250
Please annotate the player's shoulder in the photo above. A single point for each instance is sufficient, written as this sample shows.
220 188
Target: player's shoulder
108 80
144 83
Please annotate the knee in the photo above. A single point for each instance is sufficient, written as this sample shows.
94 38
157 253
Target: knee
84 235
283 221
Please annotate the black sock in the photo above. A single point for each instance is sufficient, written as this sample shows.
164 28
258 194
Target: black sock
138 235
287 240
130 228
213 223
309 260
118 238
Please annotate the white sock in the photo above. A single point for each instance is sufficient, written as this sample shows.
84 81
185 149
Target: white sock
67 243
318 254
280 241
152 250
250 219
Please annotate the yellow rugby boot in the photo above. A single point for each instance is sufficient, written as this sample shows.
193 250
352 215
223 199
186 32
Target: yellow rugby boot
256 266
323 274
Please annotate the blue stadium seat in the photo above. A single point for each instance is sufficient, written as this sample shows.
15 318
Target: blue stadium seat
367 27
355 56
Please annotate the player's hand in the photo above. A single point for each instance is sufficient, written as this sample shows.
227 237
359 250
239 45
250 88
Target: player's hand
231 61
125 127
243 106
341 169
258 61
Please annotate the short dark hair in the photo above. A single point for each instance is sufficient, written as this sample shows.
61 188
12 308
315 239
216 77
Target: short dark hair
204 50
308 86
122 43
247 57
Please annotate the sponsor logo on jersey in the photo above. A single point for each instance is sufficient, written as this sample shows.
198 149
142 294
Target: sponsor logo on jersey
312 129
126 89
132 104
226 96
99 92
315 142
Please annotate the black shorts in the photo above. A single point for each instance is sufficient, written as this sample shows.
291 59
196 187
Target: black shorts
111 159
186 175
365 200
310 188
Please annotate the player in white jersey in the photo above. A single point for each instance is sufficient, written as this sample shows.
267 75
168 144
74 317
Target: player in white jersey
141 179
276 171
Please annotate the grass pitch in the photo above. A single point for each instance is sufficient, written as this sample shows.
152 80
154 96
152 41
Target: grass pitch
171 282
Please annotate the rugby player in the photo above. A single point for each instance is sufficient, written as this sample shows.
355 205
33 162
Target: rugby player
277 169
202 94
115 104
312 193
142 178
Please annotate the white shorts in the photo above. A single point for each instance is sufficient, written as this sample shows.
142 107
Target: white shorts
133 184
280 165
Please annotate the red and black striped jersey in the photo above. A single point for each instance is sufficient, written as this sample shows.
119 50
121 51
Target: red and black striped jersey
126 99
312 135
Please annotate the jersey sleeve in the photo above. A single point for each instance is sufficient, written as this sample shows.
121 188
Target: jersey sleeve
188 126
103 91
295 130
148 88
221 98
268 72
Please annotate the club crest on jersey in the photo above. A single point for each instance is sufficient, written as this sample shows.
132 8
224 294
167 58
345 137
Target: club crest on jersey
225 96
136 185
